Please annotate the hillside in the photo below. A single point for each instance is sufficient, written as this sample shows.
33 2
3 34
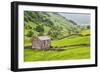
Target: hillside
73 48
48 23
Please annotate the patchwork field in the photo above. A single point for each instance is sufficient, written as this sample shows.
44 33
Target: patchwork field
73 47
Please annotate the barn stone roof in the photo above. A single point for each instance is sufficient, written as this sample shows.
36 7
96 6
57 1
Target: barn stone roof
44 37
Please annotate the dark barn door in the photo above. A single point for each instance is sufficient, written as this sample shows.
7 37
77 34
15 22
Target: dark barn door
44 44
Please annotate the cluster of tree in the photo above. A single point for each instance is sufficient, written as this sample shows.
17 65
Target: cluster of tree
35 23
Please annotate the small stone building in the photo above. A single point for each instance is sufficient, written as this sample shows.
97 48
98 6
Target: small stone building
41 42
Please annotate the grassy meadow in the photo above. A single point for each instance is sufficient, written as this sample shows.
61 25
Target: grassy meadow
76 47
69 40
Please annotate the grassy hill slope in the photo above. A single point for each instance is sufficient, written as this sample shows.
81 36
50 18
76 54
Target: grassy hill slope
72 50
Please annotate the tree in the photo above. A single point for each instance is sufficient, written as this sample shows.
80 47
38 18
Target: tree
30 33
88 27
40 28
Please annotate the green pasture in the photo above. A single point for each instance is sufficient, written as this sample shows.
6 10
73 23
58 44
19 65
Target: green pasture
73 49
70 53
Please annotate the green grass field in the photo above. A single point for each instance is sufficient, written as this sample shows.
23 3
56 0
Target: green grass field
77 52
73 49
73 40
